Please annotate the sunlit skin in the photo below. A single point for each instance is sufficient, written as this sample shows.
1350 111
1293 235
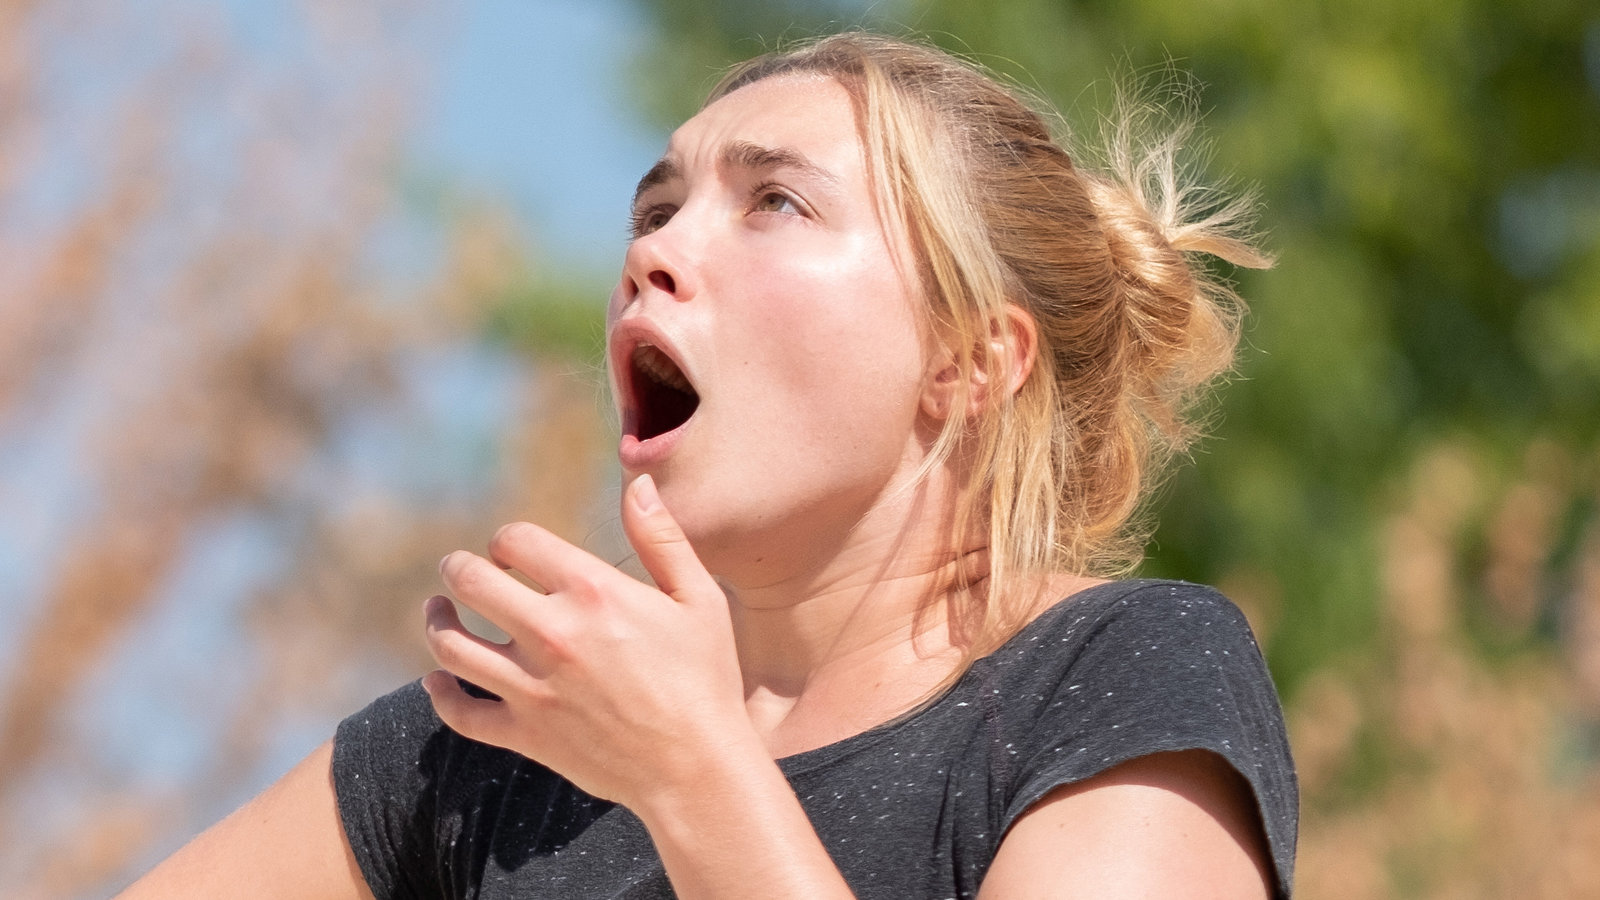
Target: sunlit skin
783 297
762 268
798 560
760 260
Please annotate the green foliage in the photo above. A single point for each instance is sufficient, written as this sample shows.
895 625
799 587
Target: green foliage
1431 173
553 318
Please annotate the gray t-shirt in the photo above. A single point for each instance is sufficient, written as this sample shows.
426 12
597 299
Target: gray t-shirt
914 808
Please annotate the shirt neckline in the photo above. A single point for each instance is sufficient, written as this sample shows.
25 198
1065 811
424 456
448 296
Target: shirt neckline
807 760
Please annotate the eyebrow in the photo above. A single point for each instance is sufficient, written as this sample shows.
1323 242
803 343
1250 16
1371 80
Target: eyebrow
745 155
663 171
740 155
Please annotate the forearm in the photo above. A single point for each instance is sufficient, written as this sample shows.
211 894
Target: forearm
735 825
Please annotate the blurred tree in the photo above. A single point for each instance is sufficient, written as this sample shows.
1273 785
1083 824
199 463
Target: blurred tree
233 449
1403 490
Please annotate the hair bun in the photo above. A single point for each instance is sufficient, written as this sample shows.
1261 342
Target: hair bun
1159 225
1109 263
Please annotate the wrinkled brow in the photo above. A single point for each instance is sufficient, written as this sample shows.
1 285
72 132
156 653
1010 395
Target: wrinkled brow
745 155
739 155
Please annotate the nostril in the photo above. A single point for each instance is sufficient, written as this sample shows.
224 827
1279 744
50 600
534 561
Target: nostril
662 281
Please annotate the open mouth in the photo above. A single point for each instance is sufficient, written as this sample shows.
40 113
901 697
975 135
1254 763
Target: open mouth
663 395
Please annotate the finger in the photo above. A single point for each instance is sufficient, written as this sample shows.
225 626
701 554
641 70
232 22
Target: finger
485 588
466 655
548 560
663 549
480 720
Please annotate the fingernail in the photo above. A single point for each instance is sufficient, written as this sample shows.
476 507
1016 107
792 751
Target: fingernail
644 494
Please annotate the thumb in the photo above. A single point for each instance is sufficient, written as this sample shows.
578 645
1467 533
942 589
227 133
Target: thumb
663 548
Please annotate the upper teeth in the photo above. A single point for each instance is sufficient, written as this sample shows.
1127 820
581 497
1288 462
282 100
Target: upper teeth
659 367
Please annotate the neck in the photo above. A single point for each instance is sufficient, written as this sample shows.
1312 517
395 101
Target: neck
848 641
829 657
828 586
788 633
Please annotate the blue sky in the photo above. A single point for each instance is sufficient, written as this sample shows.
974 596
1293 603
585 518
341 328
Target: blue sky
533 110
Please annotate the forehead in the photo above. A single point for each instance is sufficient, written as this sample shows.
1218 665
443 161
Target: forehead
809 113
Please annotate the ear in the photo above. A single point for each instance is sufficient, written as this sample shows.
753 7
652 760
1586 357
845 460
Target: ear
1006 361
1020 340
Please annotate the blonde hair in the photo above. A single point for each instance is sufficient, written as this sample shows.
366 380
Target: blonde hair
1131 327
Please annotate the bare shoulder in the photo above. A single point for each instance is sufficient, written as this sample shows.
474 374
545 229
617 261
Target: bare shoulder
1178 824
286 843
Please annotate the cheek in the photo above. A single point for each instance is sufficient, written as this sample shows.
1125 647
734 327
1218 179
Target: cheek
847 295
832 332
850 378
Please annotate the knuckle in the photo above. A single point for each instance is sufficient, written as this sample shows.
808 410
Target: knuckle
558 644
659 530
585 586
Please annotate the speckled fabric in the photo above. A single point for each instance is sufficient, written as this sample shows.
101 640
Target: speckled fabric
914 808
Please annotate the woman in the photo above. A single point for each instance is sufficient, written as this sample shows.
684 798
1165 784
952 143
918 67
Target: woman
893 376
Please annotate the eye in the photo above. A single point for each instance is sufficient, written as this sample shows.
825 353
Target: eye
774 201
649 219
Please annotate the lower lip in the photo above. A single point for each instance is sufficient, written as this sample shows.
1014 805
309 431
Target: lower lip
636 455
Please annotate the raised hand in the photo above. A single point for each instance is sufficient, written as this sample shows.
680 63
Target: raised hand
621 687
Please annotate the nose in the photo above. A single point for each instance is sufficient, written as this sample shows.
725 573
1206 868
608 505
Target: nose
660 262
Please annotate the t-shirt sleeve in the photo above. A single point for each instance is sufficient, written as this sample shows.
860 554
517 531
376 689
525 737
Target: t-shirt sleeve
383 761
1165 666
